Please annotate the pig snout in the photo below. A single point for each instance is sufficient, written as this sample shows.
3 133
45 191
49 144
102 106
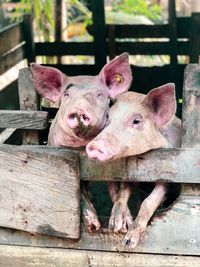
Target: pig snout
75 117
97 150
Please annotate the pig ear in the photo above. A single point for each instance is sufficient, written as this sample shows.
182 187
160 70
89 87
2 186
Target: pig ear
47 81
162 102
117 75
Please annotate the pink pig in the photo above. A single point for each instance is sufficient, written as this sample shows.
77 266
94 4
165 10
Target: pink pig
137 123
83 108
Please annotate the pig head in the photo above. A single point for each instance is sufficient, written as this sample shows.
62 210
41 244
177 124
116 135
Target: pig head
136 124
83 100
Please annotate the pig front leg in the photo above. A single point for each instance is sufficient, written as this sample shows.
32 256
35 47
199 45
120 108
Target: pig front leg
89 215
137 230
121 216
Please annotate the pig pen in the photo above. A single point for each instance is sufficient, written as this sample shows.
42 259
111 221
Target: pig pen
40 193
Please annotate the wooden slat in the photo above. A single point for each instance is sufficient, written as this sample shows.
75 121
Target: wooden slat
140 31
174 165
174 231
10 37
11 59
39 191
18 119
6 134
27 27
29 100
64 48
29 256
191 107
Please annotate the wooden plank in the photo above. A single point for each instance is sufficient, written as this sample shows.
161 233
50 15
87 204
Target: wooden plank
20 119
39 191
64 48
191 107
181 221
6 134
140 31
171 165
87 48
10 37
28 256
11 59
29 100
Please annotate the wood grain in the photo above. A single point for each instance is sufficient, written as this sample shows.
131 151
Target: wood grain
28 99
37 120
170 165
39 191
42 257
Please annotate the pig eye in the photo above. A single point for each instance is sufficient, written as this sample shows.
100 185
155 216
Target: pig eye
136 121
99 95
66 94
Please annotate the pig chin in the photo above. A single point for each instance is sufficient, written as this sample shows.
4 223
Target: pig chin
87 132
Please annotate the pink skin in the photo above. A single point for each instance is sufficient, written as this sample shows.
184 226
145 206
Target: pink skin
143 123
83 107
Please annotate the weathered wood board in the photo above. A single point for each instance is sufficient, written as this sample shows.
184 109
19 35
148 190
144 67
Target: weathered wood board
20 119
41 257
174 231
191 107
28 98
172 165
39 192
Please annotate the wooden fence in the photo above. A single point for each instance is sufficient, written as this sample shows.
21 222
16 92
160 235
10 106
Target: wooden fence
40 194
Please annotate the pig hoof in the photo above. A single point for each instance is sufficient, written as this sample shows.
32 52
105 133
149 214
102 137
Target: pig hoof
120 218
133 236
90 220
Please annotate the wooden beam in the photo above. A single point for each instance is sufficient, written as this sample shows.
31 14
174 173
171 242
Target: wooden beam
171 231
20 119
39 191
170 165
20 256
64 48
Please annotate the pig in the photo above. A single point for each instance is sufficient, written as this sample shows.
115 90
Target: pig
138 123
83 109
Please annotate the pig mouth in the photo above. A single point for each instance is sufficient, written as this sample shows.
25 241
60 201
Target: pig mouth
86 132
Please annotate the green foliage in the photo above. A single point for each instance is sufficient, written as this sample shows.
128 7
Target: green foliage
138 7
43 16
77 11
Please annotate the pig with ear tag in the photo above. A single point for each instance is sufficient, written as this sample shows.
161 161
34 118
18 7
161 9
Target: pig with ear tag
137 123
83 108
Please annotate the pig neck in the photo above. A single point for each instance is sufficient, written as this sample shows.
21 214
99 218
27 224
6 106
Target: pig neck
171 133
59 136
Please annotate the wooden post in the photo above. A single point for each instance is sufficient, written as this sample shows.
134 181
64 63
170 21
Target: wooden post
58 24
195 38
98 16
28 35
28 101
190 133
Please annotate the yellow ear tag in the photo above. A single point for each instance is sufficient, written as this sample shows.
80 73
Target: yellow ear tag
119 78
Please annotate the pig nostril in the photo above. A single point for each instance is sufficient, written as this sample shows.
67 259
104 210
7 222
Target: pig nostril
72 116
91 148
84 117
